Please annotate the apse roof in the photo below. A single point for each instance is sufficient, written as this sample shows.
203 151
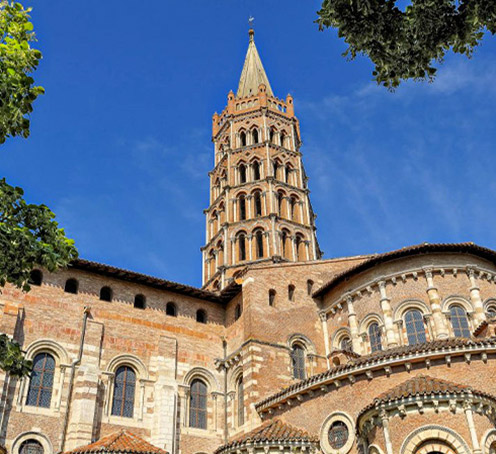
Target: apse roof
122 442
271 431
424 248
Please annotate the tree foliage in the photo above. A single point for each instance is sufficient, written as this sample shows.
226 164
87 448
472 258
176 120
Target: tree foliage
404 44
17 61
29 237
12 358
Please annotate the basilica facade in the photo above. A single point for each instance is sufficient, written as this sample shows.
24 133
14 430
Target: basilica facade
280 351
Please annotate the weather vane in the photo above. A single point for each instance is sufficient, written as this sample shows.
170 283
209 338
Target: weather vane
251 19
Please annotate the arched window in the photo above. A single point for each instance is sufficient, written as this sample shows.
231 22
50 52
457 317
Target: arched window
292 204
275 166
375 337
139 301
237 312
298 362
346 344
287 173
258 203
241 402
35 277
255 135
198 405
106 294
280 198
415 328
272 297
242 173
283 139
299 247
71 286
242 207
242 138
242 246
309 287
31 447
284 243
171 309
124 390
291 292
256 170
491 310
201 316
259 244
272 135
41 381
459 321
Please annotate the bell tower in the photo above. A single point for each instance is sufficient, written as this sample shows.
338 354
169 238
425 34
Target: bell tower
260 209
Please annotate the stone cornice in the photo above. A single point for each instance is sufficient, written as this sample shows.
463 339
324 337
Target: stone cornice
341 375
411 273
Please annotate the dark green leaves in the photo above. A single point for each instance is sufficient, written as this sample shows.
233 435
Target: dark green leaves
17 61
12 358
405 44
29 237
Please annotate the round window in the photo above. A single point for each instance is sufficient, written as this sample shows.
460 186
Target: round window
338 434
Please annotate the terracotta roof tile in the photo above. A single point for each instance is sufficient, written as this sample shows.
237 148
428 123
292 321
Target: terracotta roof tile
389 354
119 442
424 248
422 385
271 431
131 276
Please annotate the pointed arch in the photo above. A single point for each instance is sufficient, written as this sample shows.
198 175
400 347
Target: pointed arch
257 203
258 235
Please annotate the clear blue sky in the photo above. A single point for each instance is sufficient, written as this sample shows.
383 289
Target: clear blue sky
120 145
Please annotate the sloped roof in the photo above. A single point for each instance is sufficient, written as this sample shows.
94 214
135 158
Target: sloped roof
131 276
402 352
119 442
422 385
424 248
271 431
253 73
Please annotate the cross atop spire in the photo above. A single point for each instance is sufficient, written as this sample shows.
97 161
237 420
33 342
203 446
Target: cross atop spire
253 73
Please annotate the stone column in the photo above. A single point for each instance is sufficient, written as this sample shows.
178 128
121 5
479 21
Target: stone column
475 297
388 316
325 332
387 435
250 252
293 248
353 324
440 329
467 407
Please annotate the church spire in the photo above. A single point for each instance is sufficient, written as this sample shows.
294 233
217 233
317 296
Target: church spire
253 73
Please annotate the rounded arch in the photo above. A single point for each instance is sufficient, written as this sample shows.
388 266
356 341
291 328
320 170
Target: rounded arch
333 418
433 433
407 305
374 449
233 378
48 346
488 441
459 300
338 337
490 306
201 374
304 341
373 317
32 435
128 360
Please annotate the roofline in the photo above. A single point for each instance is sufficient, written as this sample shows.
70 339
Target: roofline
223 297
424 248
